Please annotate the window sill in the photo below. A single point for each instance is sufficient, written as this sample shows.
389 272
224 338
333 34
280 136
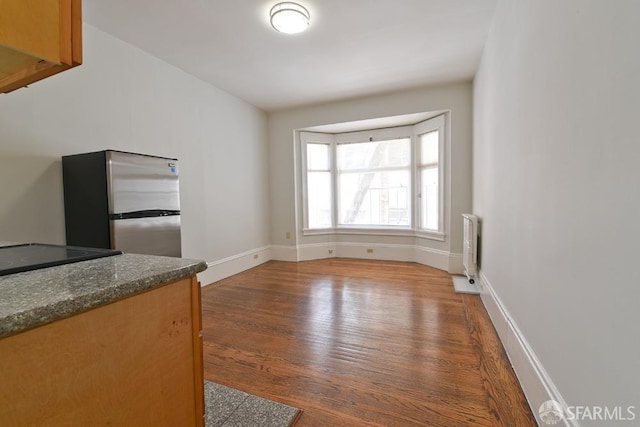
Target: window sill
399 232
431 235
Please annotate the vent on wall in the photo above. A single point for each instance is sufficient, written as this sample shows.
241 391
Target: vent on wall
470 247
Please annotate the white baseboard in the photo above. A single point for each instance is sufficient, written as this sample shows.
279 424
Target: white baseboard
223 268
316 251
534 380
220 269
388 252
284 253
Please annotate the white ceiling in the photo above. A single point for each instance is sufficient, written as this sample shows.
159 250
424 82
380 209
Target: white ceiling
353 48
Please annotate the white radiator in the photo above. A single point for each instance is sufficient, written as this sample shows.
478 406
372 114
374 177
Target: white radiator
470 246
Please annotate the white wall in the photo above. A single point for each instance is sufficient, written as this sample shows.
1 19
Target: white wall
284 176
123 98
556 174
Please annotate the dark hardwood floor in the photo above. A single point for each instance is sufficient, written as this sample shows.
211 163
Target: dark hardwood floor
360 343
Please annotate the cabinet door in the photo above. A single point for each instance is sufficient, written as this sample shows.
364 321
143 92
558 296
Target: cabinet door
135 362
38 38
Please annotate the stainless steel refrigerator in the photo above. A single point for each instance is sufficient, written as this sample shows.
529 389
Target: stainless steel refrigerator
125 201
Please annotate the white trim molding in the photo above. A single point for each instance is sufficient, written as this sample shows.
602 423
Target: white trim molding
380 231
234 264
316 251
439 259
387 252
534 380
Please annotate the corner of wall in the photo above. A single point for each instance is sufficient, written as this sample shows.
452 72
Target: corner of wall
284 253
455 264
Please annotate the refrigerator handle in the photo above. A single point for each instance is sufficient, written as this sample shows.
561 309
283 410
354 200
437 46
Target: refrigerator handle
149 213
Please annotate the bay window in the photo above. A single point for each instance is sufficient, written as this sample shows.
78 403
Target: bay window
379 179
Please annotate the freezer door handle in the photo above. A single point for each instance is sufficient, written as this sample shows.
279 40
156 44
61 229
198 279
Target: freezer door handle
149 213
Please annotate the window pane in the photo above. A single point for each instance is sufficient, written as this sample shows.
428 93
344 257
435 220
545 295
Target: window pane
372 155
375 198
319 199
317 157
429 198
429 148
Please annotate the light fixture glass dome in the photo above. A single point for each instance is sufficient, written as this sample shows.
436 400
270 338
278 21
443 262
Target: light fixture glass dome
289 18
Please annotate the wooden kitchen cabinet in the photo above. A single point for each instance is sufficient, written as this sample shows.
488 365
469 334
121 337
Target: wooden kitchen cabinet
38 38
134 362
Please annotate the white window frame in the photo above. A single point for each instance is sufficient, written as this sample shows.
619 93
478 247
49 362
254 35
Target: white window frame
412 132
317 138
434 124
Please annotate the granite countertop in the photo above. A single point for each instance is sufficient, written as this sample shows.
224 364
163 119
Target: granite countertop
35 298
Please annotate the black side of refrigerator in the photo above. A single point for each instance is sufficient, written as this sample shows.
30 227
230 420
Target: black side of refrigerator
86 208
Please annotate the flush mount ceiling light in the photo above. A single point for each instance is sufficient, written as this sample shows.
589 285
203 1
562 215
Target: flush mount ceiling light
290 18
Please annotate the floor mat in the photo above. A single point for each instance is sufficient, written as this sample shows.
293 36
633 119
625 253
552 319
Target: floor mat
228 407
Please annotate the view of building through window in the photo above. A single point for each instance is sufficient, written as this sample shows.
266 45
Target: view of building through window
374 183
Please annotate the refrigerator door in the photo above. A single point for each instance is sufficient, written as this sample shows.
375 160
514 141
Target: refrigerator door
140 183
149 236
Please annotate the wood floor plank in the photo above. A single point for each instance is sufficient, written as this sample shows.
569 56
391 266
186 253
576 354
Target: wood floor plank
360 342
499 378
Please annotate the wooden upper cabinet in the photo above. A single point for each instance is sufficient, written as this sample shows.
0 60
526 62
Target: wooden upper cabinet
38 38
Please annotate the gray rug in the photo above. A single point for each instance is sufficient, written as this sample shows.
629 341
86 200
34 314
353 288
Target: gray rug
228 407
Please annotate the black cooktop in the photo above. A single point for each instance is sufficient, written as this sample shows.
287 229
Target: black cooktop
32 256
